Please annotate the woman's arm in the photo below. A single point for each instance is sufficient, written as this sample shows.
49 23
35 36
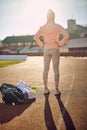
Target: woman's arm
37 38
65 36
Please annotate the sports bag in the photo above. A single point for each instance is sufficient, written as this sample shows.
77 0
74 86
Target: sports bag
13 95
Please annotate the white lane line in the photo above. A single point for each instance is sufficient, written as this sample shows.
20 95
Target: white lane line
60 121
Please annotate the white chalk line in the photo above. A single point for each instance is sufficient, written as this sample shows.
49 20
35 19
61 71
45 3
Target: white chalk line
60 121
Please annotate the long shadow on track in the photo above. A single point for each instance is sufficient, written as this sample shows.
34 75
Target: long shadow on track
65 115
8 112
50 124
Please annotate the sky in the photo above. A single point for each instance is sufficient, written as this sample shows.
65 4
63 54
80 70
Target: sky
24 17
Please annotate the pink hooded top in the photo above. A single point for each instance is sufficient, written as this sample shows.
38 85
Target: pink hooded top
51 32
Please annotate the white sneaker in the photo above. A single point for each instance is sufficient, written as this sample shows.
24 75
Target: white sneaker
46 91
57 92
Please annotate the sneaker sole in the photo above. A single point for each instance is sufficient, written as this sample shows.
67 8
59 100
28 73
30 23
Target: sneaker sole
47 93
57 94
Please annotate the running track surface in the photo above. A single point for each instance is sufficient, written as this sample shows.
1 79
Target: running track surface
65 112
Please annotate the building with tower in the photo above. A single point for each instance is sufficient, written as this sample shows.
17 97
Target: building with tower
76 30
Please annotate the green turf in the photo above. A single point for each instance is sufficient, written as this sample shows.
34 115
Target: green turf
4 63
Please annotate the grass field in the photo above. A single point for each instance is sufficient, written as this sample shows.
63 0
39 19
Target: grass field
4 63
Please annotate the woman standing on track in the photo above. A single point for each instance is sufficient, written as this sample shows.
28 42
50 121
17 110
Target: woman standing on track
51 33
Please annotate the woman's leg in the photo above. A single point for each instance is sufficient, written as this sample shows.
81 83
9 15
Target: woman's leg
47 59
55 60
